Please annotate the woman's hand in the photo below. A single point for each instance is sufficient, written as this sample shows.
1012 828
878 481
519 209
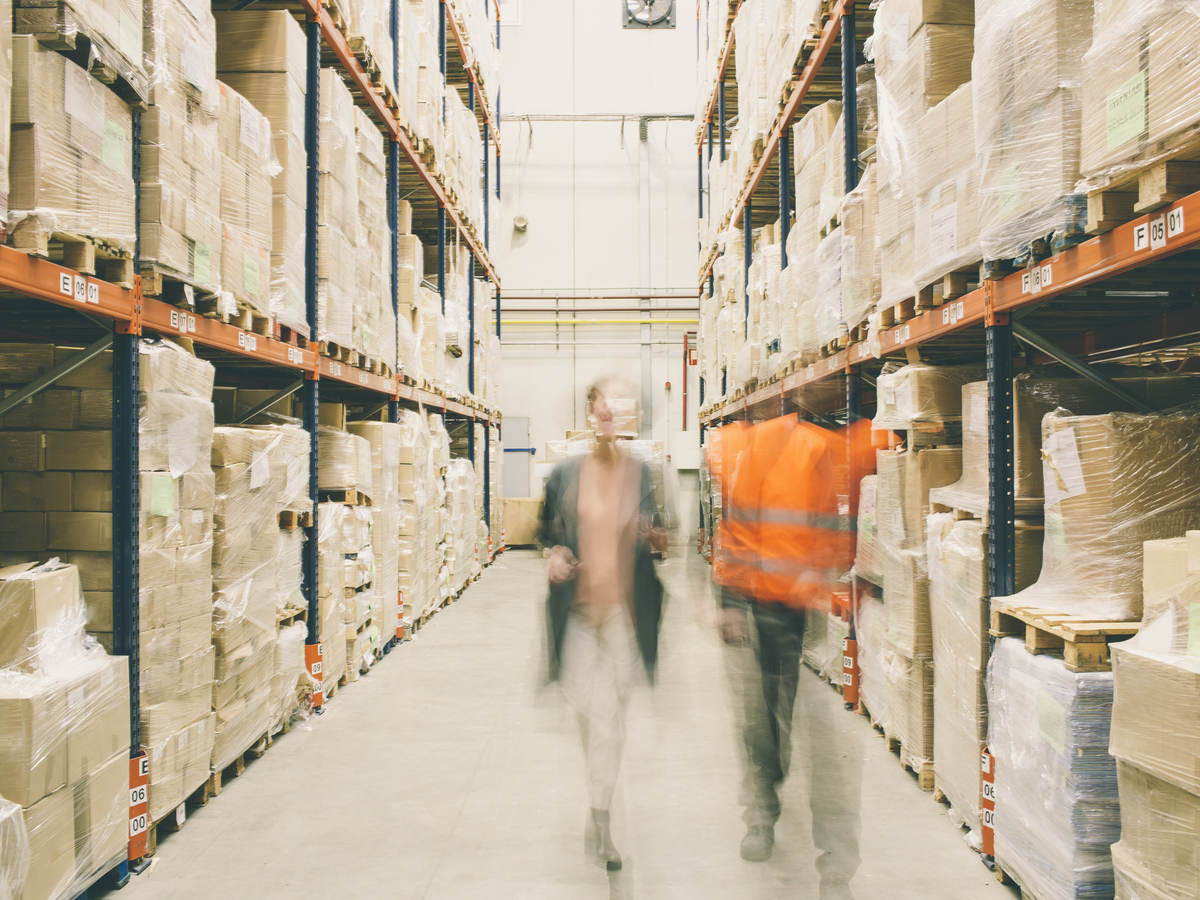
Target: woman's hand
562 565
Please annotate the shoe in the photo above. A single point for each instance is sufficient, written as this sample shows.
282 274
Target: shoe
598 843
836 890
758 843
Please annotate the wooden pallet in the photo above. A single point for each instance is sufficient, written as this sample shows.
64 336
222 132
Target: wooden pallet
287 617
827 228
238 767
949 287
898 313
291 519
1172 173
349 497
55 24
340 352
172 286
1083 643
174 820
288 335
1070 231
922 769
101 258
242 316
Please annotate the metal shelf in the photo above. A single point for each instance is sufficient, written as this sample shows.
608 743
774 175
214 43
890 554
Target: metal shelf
763 174
457 60
724 59
1131 258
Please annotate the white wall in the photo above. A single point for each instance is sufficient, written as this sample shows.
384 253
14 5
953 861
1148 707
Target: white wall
605 211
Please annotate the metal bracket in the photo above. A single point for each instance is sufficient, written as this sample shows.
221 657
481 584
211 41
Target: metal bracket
136 307
271 401
1037 342
64 368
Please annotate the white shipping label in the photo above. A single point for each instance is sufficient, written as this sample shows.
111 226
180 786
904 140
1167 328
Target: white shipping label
1158 233
1175 222
943 231
1063 470
193 62
260 471
81 100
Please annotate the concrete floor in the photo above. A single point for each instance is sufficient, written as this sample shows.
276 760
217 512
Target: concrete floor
449 773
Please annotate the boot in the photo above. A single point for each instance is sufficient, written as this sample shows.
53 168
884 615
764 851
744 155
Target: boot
598 841
758 843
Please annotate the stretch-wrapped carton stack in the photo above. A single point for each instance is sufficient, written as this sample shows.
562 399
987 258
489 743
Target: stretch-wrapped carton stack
369 23
1056 784
112 27
1111 482
64 734
71 166
1028 74
1155 729
388 449
462 520
331 631
337 216
413 488
960 618
374 327
1140 86
245 553
181 163
261 55
439 452
247 162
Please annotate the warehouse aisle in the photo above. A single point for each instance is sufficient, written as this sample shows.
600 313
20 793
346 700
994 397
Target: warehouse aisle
447 773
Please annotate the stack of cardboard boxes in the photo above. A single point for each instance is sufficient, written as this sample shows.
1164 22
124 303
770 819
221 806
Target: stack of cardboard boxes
246 167
181 162
261 55
374 328
337 216
64 730
1155 725
388 452
71 168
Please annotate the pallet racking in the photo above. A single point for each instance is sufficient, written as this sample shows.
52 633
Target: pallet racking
43 300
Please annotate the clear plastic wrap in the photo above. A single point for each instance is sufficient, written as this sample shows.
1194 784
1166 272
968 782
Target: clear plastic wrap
860 263
1155 723
868 562
181 166
830 320
959 614
908 684
946 189
1139 87
1028 74
338 213
917 393
14 850
902 489
374 330
262 56
344 461
1111 483
71 162
870 627
1057 811
247 166
894 238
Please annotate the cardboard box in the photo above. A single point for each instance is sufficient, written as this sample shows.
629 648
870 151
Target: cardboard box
1156 715
1134 880
79 450
917 13
102 813
79 531
260 42
179 764
938 60
97 715
50 825
22 451
94 408
1159 824
30 603
170 643
36 491
1174 73
33 750
51 408
20 363
95 569
91 492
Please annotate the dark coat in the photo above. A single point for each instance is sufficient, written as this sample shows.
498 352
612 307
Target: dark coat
560 527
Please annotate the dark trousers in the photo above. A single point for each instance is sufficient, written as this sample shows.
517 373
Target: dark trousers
765 675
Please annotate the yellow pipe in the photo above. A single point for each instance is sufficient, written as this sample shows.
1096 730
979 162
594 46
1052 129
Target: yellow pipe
600 322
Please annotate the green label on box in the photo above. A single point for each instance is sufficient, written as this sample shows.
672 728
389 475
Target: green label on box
202 262
1125 111
1052 721
162 495
1194 629
112 149
250 276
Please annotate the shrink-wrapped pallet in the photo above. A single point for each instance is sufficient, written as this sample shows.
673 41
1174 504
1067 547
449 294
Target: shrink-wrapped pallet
868 562
338 213
918 394
1111 482
1056 784
181 165
344 462
71 162
860 263
247 165
870 628
1027 74
261 55
959 618
14 849
374 326
64 734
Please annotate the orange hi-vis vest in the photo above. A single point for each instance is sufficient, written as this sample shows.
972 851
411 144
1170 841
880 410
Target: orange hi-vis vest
730 540
782 534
